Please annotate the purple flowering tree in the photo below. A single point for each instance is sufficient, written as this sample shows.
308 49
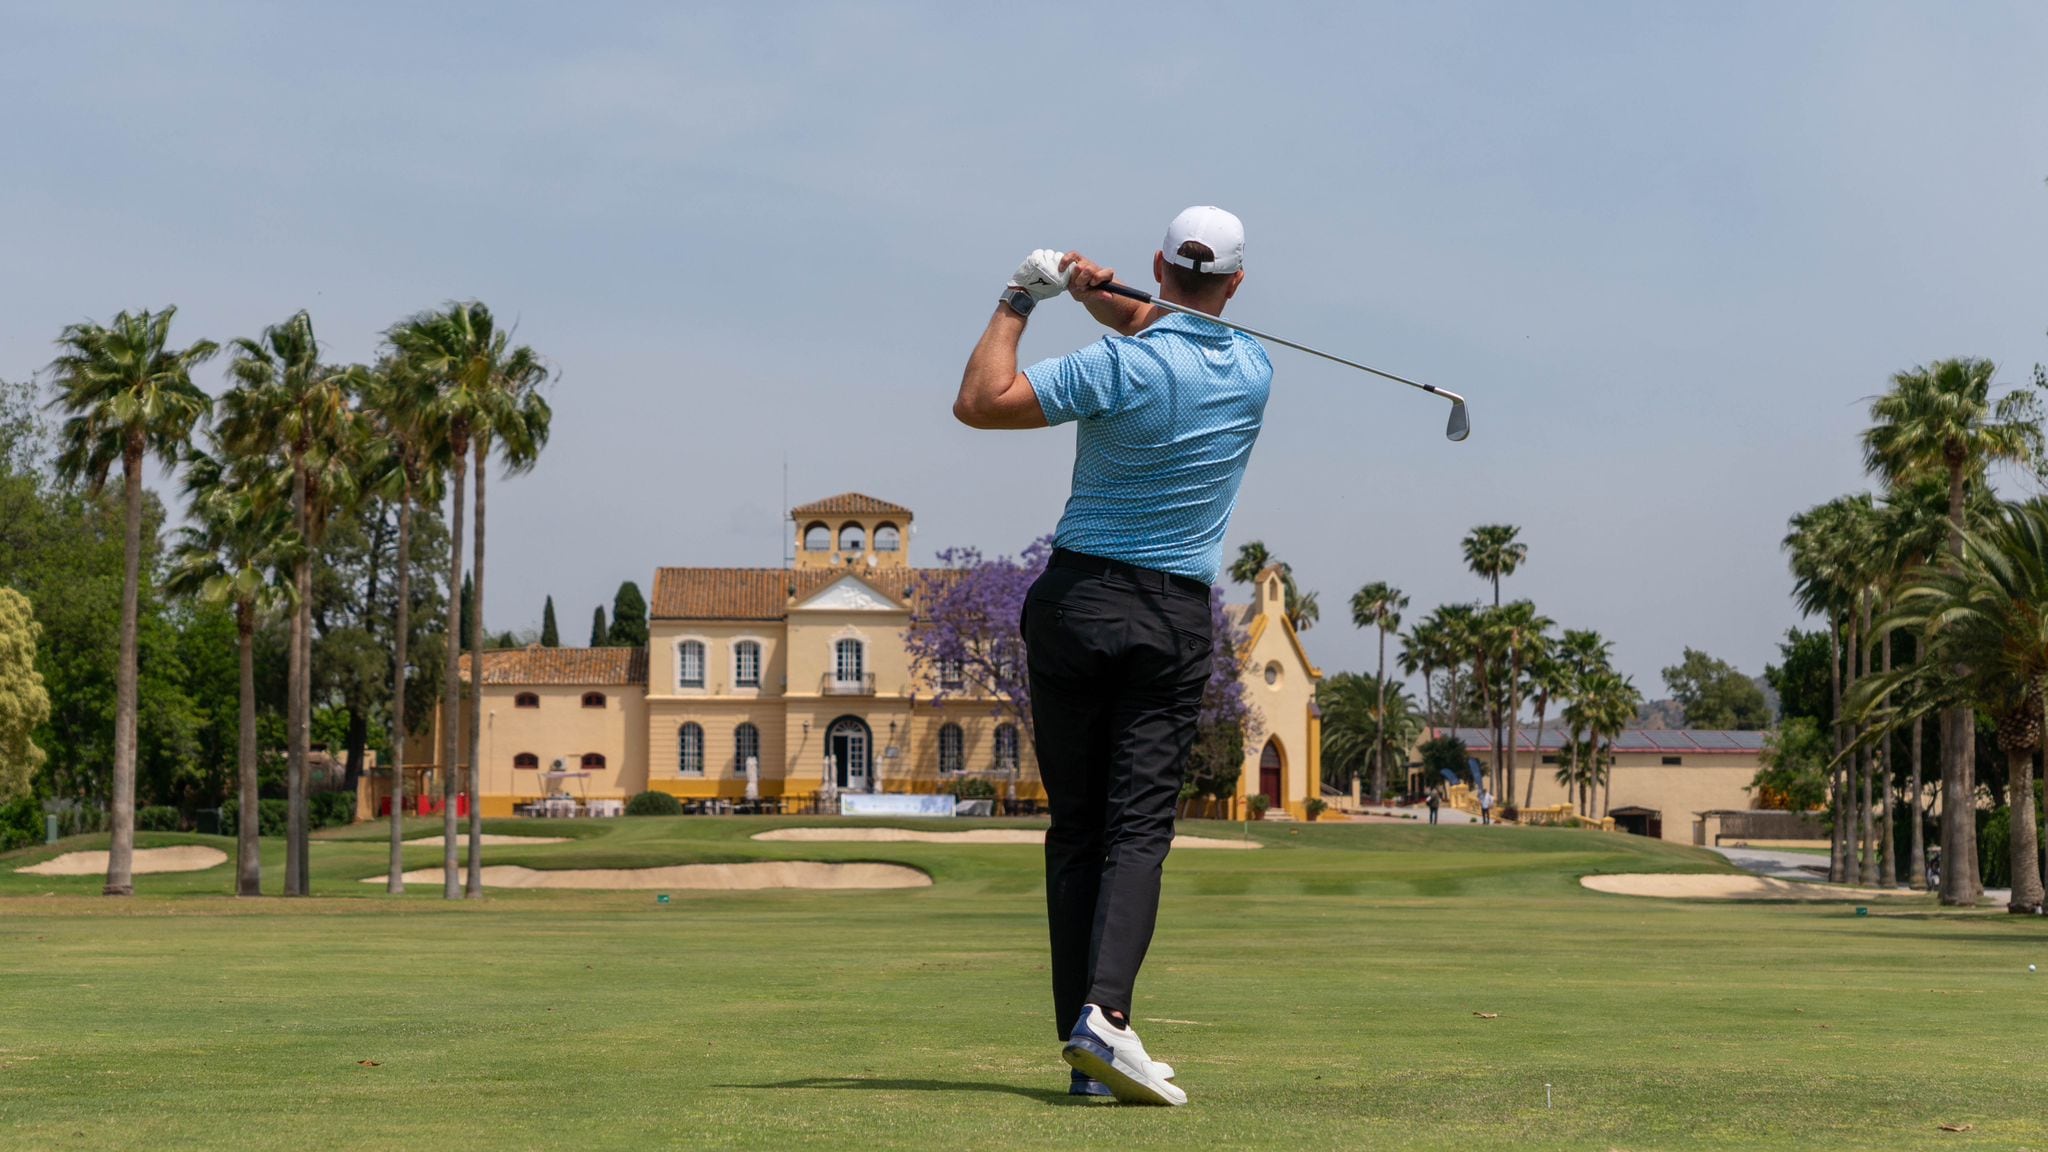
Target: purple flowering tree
963 634
963 639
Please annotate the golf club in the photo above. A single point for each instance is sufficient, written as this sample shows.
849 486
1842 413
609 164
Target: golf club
1459 427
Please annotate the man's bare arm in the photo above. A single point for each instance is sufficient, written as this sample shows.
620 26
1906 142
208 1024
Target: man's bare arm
993 394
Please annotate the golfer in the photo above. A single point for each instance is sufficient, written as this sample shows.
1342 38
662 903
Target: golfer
1118 628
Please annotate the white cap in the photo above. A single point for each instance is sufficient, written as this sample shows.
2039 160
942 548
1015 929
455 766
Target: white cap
1222 232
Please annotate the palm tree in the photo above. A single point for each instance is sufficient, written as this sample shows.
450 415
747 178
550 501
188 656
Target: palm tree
1986 614
285 401
1353 732
1455 628
1486 647
239 535
1915 528
1939 419
1419 654
1547 679
1611 702
1521 628
1379 605
1491 552
1581 655
1832 547
400 402
485 387
127 394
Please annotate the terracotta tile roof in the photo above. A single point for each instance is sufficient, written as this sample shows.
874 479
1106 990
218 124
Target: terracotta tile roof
762 593
849 504
565 666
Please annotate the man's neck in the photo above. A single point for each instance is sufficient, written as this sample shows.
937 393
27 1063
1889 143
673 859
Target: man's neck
1209 305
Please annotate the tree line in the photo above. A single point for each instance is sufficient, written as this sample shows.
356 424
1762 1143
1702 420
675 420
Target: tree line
313 540
1934 593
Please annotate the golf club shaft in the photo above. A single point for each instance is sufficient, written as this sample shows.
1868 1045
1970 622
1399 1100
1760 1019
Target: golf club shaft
1143 297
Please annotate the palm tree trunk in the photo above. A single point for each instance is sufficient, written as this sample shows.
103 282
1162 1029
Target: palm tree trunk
1961 883
1866 767
1838 865
1379 736
1851 812
1514 721
295 717
1916 868
394 883
2022 840
121 847
1451 689
305 846
451 696
1529 789
474 887
1887 843
1429 697
248 808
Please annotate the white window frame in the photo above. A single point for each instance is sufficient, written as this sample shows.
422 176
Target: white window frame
682 646
739 678
958 760
683 757
860 660
1015 759
740 751
952 674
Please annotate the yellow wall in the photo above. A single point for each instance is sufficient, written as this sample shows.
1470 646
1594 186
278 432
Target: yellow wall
561 728
1284 704
1702 783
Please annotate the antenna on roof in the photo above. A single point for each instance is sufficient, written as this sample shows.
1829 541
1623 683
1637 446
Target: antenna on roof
788 524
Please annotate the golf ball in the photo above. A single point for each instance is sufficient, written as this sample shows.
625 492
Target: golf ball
2030 967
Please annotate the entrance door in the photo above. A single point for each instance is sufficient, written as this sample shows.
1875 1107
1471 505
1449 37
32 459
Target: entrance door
1271 774
847 740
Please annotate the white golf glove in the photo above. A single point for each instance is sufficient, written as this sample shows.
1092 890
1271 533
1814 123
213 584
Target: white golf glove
1040 274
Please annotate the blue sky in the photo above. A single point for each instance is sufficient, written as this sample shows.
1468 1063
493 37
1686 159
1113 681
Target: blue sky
1667 250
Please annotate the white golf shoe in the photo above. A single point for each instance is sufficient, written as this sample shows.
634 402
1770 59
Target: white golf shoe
1116 1057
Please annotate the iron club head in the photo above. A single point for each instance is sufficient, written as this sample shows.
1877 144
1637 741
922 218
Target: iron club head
1460 426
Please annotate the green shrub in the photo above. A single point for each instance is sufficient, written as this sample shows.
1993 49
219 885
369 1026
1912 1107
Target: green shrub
21 823
972 788
1315 807
157 818
654 804
1260 803
331 809
271 817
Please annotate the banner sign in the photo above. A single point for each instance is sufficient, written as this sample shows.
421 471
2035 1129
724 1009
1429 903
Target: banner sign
893 804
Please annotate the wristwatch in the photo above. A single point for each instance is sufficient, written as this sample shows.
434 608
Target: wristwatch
1020 301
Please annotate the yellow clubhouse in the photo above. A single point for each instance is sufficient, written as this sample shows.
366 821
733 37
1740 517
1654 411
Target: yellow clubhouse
794 685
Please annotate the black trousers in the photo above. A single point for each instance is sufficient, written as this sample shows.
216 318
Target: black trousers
1118 659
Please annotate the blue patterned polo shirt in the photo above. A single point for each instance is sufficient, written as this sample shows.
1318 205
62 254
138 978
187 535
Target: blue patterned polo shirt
1167 422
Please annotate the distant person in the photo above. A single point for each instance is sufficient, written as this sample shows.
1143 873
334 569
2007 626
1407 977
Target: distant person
1485 805
1436 798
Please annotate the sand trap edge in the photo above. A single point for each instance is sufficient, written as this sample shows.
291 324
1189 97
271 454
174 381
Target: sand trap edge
1030 837
752 876
1722 886
179 858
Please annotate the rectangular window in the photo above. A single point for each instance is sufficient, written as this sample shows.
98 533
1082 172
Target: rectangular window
746 660
1674 760
847 661
952 676
1550 758
690 664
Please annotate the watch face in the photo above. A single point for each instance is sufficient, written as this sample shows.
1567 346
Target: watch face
1020 301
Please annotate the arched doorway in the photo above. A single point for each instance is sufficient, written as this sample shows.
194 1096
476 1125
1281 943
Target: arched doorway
1273 773
849 742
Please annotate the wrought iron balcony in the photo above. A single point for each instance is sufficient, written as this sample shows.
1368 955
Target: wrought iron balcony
832 685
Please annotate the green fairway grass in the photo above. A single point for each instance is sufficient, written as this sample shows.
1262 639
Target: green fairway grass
1321 992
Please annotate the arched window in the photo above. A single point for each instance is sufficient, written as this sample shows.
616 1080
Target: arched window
888 538
690 750
952 749
526 760
817 538
746 745
848 661
850 538
1006 747
593 761
593 699
746 664
690 664
526 700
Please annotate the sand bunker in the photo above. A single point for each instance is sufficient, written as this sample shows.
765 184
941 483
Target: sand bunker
184 858
490 838
1719 886
708 877
1030 836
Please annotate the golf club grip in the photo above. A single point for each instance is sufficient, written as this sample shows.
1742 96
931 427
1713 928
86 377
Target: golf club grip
1125 291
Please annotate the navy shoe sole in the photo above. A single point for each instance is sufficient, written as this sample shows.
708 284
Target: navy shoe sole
1082 1085
1093 1059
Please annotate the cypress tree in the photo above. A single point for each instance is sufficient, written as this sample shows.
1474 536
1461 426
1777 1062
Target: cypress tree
468 607
629 617
549 636
598 636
